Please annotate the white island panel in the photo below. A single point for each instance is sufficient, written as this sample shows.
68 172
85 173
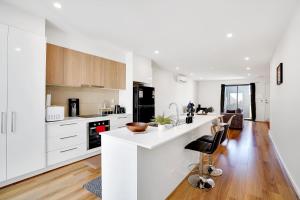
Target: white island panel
148 166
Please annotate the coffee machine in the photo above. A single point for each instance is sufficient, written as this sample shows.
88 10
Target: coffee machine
73 107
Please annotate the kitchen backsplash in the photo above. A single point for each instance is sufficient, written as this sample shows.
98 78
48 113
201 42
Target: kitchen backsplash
90 99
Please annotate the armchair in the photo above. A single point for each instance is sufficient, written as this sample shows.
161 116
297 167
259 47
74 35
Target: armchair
238 120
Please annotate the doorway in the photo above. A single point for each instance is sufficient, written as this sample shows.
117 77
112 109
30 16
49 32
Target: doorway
238 97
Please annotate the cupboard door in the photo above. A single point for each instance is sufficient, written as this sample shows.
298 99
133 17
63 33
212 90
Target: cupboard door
3 99
110 74
86 70
73 63
98 72
121 76
26 150
55 65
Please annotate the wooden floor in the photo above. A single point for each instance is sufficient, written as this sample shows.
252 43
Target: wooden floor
251 171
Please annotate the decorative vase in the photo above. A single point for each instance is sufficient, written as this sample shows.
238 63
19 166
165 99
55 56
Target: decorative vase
161 127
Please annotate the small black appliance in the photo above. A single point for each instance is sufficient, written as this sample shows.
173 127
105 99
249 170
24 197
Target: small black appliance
73 107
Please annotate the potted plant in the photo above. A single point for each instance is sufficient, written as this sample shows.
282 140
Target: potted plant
162 122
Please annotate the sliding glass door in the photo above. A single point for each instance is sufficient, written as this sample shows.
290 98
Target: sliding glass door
238 97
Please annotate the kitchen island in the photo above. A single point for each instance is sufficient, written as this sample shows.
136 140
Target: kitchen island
148 166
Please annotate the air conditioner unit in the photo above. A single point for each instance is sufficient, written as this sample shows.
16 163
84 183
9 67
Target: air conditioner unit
181 78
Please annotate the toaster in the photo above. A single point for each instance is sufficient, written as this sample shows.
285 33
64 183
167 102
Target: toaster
55 113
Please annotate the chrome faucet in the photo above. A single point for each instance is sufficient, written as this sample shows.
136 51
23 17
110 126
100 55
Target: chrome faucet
177 113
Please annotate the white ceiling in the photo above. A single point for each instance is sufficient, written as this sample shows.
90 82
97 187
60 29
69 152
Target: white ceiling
188 34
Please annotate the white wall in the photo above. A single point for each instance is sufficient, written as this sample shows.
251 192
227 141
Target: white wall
126 96
15 17
285 100
168 90
209 94
142 69
58 36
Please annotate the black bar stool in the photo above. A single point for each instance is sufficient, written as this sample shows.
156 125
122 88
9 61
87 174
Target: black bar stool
198 180
212 170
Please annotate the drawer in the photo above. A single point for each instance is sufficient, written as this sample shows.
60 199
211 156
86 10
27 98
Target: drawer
120 121
66 129
65 154
65 140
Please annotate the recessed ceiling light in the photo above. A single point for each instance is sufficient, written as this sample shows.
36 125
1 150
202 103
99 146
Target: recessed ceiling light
247 58
249 74
248 68
57 5
177 68
18 49
200 78
191 74
156 52
229 35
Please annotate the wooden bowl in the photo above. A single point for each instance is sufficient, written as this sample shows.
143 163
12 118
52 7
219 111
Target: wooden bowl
137 126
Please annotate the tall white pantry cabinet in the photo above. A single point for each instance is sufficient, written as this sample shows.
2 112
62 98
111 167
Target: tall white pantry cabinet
22 102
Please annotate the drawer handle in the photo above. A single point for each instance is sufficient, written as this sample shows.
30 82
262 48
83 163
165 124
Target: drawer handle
72 136
121 126
68 124
122 117
68 150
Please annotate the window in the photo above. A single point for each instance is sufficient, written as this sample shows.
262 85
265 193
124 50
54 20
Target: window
238 96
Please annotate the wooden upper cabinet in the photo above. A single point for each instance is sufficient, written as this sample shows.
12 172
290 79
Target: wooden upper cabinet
66 67
87 70
55 65
98 72
121 74
74 62
110 74
114 74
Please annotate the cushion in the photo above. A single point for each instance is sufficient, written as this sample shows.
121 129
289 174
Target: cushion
230 111
239 111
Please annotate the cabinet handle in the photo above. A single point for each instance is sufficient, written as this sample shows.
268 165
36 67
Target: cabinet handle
68 150
85 85
13 122
68 124
121 126
3 122
122 117
98 86
72 136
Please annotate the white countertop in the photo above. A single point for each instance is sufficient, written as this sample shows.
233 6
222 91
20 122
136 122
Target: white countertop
90 119
153 138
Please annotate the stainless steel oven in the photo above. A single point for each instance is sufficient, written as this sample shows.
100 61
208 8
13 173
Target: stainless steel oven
95 130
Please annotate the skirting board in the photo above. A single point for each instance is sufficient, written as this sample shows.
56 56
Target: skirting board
49 168
282 163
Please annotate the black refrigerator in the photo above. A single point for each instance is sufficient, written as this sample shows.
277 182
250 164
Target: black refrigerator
143 104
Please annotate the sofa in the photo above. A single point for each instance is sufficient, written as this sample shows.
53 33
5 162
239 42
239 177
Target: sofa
237 121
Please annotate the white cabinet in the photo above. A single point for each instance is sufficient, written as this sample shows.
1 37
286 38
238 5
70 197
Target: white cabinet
142 69
3 99
24 78
119 121
65 154
66 140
